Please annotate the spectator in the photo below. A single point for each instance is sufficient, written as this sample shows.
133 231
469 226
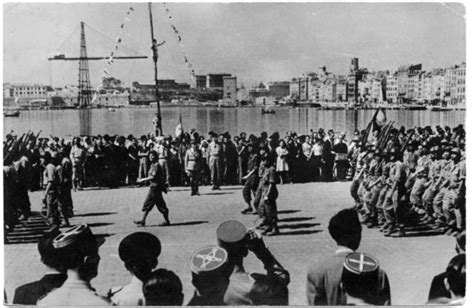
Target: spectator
163 288
454 281
79 255
323 281
30 293
360 279
139 251
245 288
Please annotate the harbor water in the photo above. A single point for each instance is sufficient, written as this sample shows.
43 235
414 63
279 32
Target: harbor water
139 121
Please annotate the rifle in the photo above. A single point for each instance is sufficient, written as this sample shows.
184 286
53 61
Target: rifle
408 140
369 126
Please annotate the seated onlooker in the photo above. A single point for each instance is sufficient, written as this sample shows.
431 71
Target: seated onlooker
28 294
79 255
139 251
438 288
323 286
163 288
454 281
360 279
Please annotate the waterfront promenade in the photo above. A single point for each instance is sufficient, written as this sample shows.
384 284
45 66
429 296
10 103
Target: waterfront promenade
305 209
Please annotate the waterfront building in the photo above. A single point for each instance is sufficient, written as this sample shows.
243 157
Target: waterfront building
279 89
355 75
408 80
460 86
201 82
28 91
230 88
341 90
392 88
216 81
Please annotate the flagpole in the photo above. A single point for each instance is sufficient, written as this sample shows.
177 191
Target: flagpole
154 47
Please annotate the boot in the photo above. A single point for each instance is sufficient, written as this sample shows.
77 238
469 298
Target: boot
141 223
274 231
167 220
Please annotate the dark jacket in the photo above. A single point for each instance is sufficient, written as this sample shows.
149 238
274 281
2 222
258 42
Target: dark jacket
30 293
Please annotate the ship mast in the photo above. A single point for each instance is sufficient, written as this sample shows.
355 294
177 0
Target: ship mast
154 47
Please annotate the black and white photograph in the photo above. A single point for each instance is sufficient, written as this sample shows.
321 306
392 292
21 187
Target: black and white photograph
234 153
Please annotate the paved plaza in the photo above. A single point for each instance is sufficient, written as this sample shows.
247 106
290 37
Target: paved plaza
304 212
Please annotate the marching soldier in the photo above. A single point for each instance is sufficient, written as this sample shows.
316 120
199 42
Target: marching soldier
155 194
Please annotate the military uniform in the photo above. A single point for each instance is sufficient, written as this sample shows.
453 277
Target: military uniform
51 177
215 155
251 183
155 194
192 161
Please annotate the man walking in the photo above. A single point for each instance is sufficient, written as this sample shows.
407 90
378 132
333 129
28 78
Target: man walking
155 194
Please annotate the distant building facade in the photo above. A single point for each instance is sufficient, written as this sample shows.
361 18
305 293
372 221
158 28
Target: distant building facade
230 88
216 81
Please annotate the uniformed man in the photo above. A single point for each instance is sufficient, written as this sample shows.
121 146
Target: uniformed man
215 157
210 276
360 280
245 288
139 252
79 251
155 194
269 194
64 170
163 155
393 207
192 161
51 191
77 156
251 179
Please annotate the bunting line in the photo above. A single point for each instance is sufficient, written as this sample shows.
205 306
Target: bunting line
110 61
188 63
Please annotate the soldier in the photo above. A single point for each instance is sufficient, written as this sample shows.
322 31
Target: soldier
77 156
155 196
269 194
245 288
51 192
139 252
79 251
215 154
393 207
251 179
360 280
64 170
163 288
192 161
210 276
163 155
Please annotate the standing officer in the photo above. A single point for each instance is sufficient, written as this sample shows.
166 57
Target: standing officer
192 162
77 156
155 196
163 155
215 153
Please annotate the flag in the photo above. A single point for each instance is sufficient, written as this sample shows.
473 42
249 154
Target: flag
179 127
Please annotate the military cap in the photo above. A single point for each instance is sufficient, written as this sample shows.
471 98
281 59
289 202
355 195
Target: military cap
78 238
138 246
360 274
231 233
208 260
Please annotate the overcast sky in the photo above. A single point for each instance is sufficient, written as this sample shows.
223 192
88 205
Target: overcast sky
253 41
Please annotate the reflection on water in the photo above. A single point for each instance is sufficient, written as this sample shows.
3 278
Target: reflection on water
232 120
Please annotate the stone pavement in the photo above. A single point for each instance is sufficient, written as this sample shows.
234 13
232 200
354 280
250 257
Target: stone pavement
304 212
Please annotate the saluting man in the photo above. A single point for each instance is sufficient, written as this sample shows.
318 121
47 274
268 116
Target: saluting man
155 194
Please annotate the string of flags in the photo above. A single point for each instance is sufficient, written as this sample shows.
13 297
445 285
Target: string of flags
110 61
181 45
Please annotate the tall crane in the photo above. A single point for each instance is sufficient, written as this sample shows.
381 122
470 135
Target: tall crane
84 97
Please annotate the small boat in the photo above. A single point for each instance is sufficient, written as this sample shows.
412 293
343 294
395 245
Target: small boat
112 109
11 113
267 111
